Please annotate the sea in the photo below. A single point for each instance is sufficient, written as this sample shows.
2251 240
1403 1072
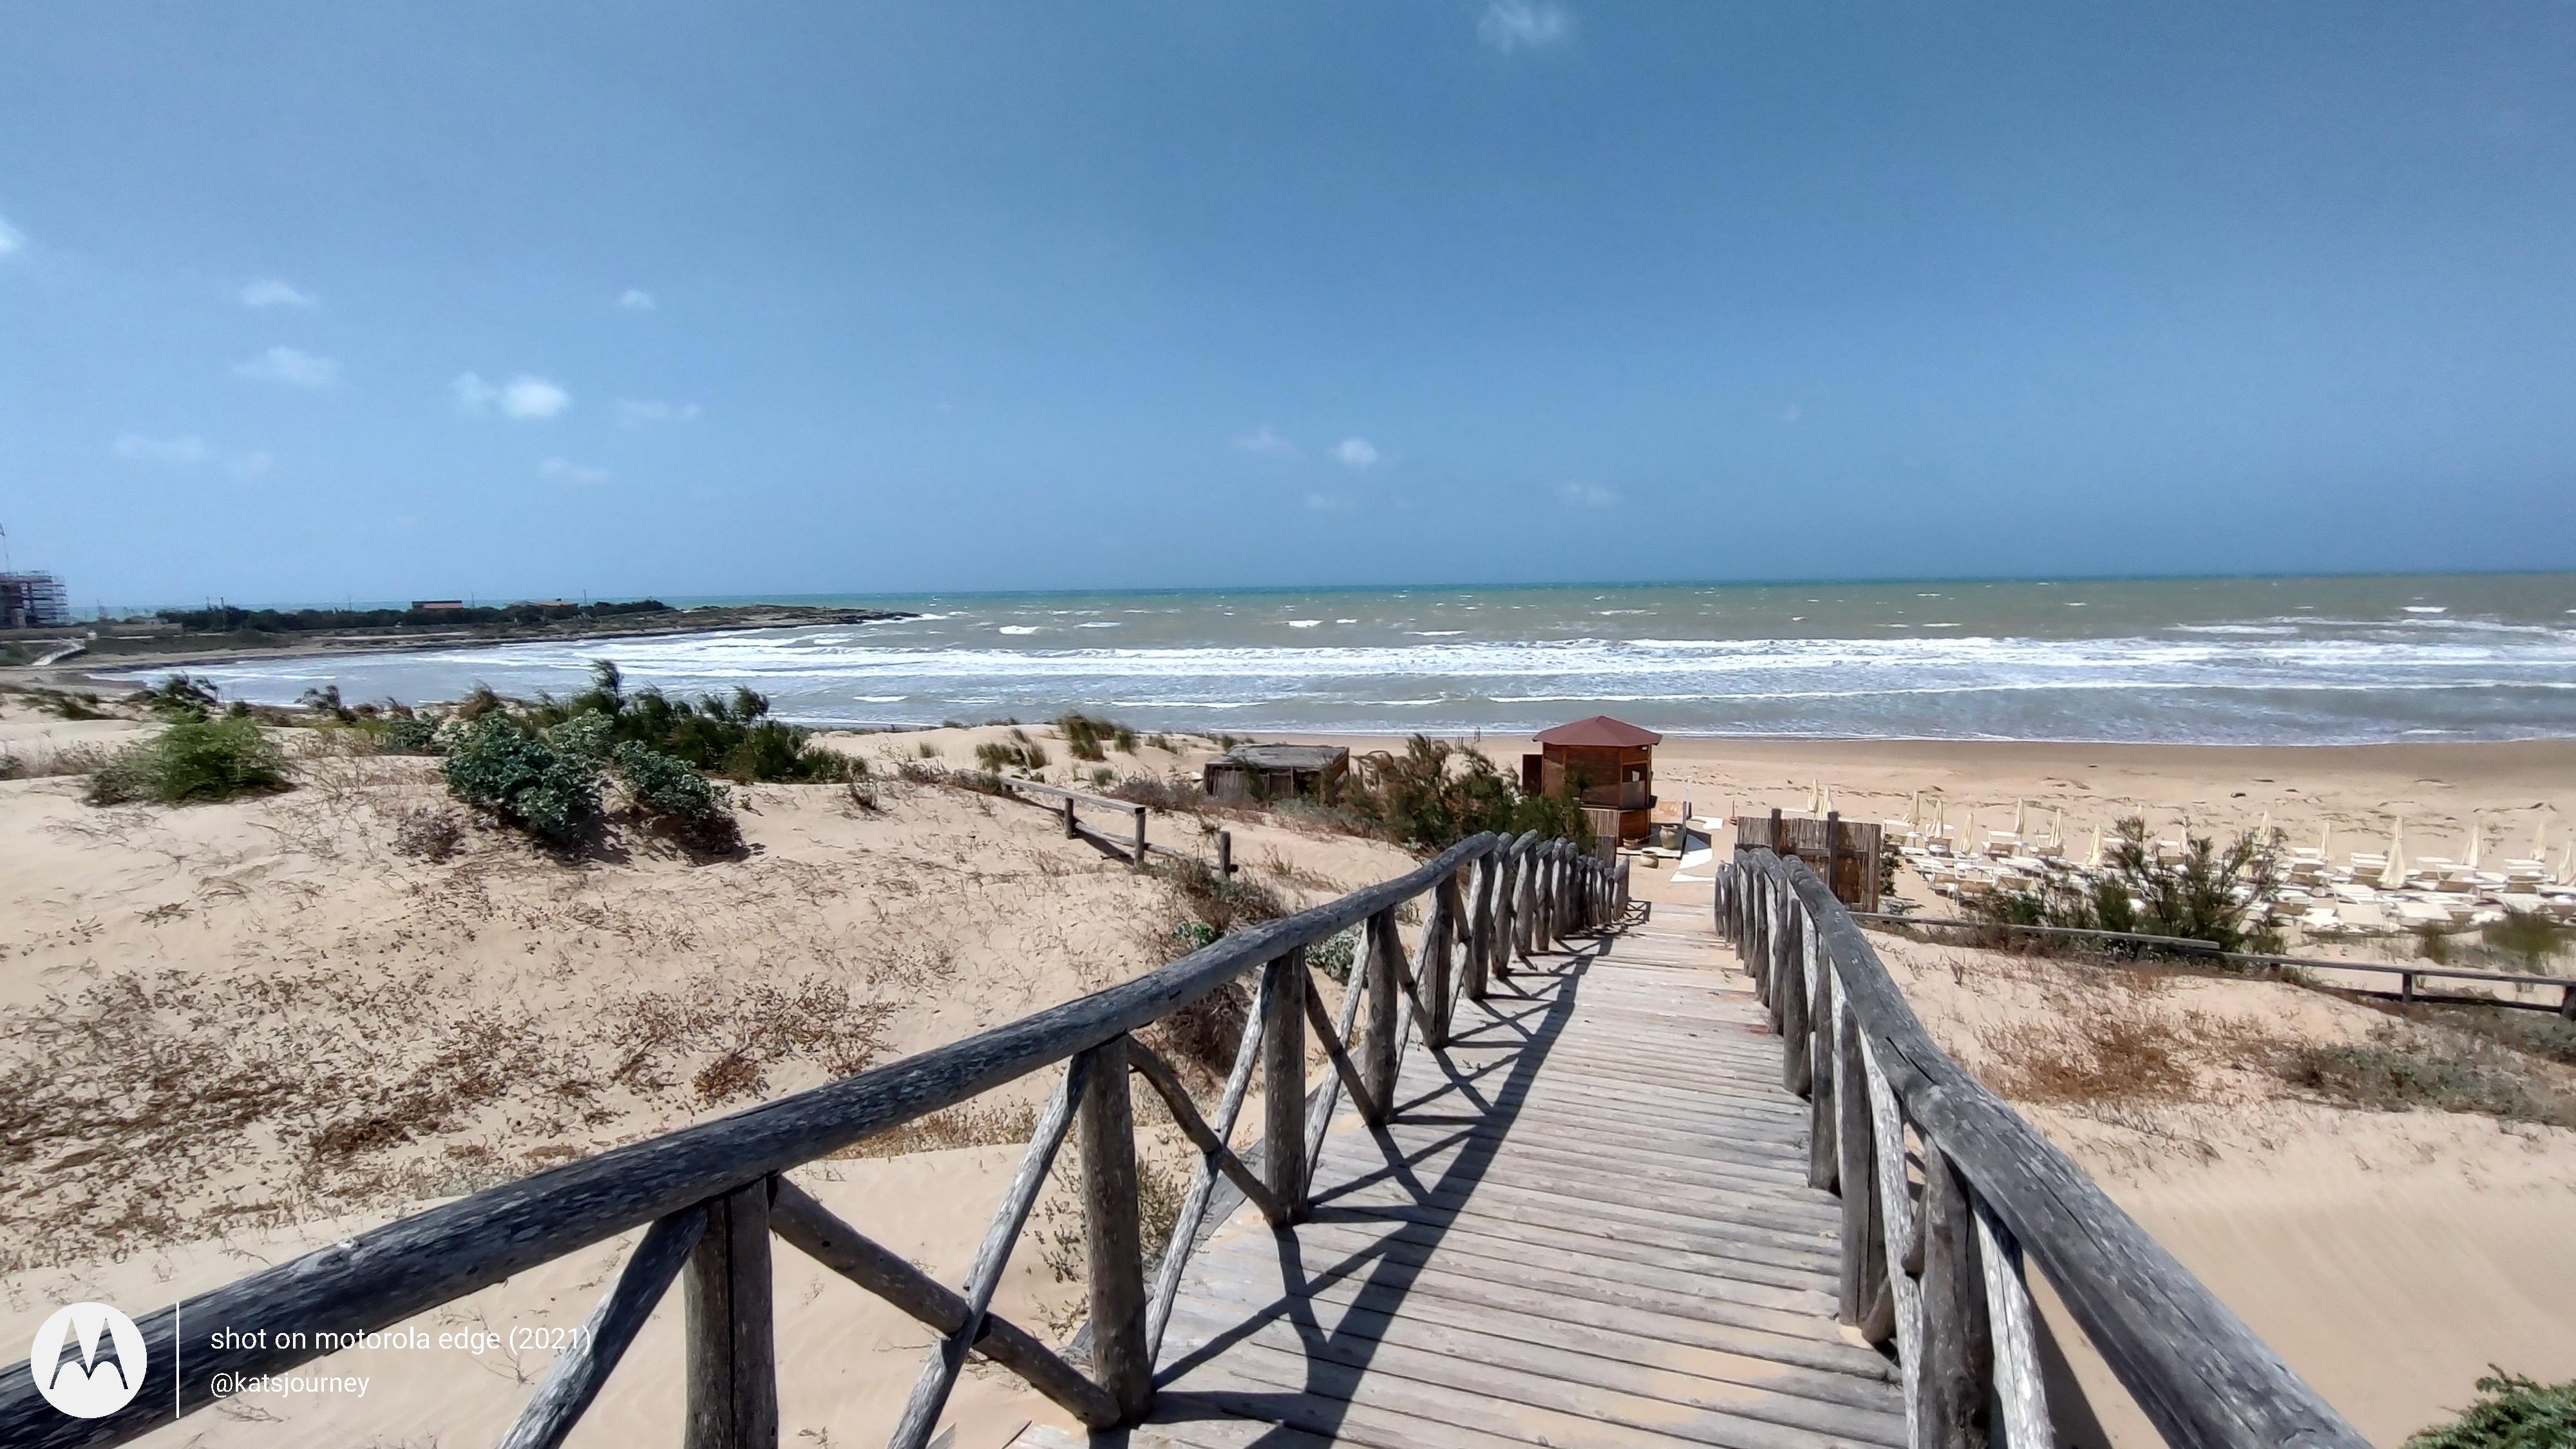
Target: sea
2305 661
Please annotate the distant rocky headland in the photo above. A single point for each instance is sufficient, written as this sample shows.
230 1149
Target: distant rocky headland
185 635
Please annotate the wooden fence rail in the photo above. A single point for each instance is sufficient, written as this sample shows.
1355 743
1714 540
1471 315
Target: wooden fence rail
2407 973
1934 1238
712 1196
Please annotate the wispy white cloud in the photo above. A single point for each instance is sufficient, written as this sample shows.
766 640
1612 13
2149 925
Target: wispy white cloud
636 299
644 412
187 450
1355 453
1587 495
10 238
1327 502
289 366
270 292
564 470
524 396
1513 25
1263 440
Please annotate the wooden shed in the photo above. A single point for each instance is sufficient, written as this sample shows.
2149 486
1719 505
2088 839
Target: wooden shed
1276 772
1605 764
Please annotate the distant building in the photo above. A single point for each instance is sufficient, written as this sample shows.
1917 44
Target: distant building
431 606
1607 766
1276 772
33 601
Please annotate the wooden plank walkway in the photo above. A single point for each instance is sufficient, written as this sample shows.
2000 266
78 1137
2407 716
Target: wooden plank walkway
1589 1224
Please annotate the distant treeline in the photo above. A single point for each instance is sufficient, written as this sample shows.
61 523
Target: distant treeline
228 620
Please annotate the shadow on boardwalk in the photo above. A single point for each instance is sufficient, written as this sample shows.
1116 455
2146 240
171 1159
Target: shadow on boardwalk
1523 1013
1587 1225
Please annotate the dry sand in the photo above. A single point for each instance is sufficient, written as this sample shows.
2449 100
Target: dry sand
396 1030
235 1032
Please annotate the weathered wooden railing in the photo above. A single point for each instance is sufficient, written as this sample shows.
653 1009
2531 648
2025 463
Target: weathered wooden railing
710 1197
1936 1263
1132 846
2407 973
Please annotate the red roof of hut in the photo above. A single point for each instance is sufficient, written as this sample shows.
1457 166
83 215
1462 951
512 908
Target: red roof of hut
1600 732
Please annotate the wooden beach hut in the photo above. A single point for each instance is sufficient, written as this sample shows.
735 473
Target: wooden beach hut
1276 772
1606 765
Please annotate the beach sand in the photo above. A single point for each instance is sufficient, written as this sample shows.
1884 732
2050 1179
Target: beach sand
374 999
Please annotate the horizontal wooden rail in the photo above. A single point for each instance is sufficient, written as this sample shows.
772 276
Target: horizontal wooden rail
2409 972
714 1193
1941 1273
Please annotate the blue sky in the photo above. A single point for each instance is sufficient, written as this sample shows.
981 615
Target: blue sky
312 301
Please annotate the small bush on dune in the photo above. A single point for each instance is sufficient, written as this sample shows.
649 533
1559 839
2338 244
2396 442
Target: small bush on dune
1084 737
730 736
181 697
1019 753
546 786
408 733
1438 793
2444 1070
678 800
2208 894
71 706
193 760
2512 1412
1160 792
2528 936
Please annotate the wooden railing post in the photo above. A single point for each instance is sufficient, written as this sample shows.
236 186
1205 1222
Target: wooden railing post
1440 950
1480 926
1864 1275
1383 950
1140 837
1283 1084
1072 827
1790 1004
732 1391
1113 1236
1824 1165
1224 853
1958 1346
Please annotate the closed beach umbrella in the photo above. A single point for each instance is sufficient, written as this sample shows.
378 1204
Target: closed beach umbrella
2094 857
2021 817
2477 837
2393 874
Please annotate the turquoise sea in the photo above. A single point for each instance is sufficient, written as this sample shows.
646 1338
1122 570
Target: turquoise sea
2263 660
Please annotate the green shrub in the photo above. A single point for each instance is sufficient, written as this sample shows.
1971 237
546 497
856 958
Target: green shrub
1016 753
2208 894
2512 1412
325 699
193 759
409 734
543 784
1438 793
181 697
694 810
1334 954
1084 736
732 736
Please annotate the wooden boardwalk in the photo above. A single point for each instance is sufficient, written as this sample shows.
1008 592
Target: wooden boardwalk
1588 1224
